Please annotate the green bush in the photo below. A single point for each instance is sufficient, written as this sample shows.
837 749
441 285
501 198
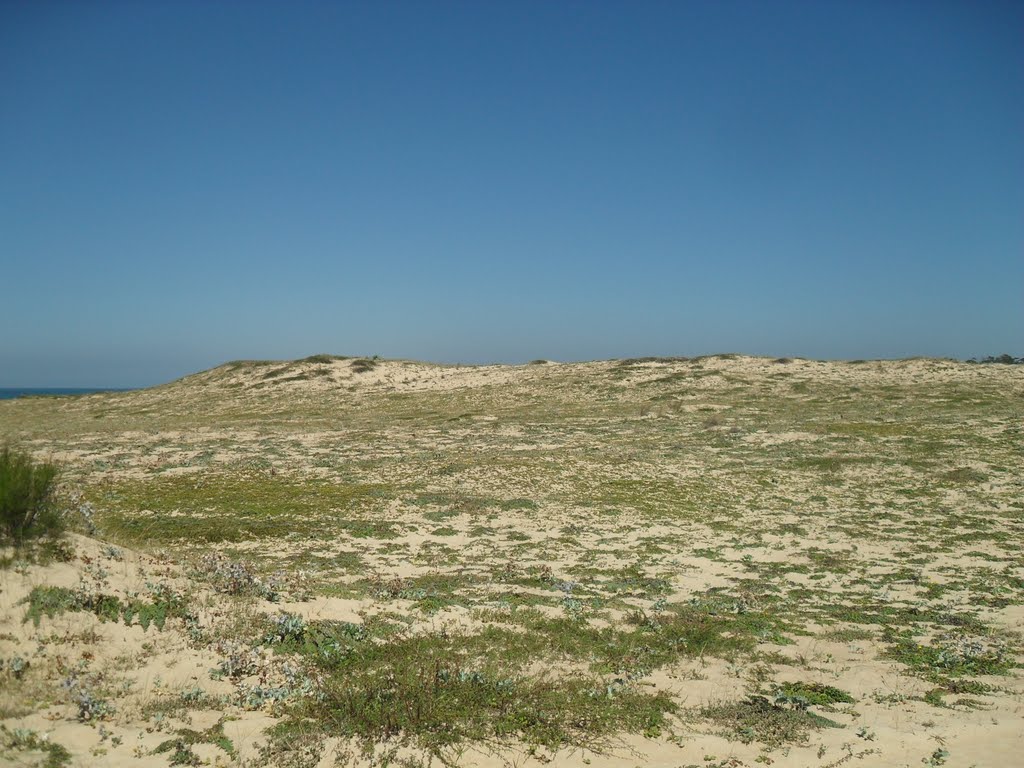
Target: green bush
363 364
26 491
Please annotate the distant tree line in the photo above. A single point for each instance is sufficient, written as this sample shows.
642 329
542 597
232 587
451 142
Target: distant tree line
1002 359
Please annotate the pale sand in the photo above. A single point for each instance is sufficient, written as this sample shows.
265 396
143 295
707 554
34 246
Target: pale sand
147 666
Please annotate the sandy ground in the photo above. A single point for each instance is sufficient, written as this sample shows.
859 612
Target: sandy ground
791 487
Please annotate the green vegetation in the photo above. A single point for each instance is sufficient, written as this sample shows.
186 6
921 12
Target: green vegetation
363 364
951 656
53 601
758 719
541 557
1003 359
14 743
964 475
436 690
26 498
231 508
179 749
811 694
50 602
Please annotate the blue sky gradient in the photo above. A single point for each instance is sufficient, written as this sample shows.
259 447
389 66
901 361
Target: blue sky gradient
186 183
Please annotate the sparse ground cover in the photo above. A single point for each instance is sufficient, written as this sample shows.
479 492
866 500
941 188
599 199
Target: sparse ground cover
724 561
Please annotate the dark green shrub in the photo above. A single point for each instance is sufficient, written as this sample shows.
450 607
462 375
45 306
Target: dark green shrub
53 601
363 364
26 491
1003 359
758 719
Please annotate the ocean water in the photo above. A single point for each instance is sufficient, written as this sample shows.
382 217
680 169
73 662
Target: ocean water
12 392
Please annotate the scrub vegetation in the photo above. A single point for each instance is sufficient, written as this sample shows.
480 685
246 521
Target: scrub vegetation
26 490
717 561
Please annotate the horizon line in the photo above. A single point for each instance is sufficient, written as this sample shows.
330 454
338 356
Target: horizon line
328 357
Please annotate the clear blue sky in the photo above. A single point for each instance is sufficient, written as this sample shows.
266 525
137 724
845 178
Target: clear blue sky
186 183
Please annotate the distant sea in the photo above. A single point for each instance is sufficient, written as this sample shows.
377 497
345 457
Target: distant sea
11 393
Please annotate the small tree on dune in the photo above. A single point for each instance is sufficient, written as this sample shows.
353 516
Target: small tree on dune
26 498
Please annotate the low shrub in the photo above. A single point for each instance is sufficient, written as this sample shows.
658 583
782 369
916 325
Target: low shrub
363 364
26 496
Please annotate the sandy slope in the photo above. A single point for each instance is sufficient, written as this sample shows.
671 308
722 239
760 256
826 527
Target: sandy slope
828 483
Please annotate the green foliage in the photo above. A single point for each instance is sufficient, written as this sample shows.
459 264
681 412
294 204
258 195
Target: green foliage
1003 359
27 740
950 656
758 719
959 686
363 365
91 703
156 612
431 591
181 754
631 581
52 601
327 643
180 747
437 689
869 611
417 690
49 602
964 476
632 361
26 491
230 508
236 577
813 694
